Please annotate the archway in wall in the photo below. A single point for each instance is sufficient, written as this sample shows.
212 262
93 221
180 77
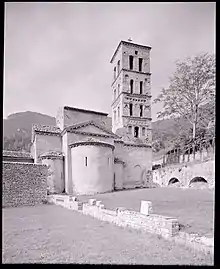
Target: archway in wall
198 183
137 175
174 182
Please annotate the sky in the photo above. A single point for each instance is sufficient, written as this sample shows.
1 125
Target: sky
58 54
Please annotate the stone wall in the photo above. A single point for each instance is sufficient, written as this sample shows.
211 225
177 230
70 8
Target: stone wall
185 173
92 168
23 184
144 221
67 116
55 177
118 175
138 164
152 223
45 143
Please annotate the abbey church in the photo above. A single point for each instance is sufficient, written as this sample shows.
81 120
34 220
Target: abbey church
89 153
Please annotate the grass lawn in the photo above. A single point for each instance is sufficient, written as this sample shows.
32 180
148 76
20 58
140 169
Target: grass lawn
52 234
194 208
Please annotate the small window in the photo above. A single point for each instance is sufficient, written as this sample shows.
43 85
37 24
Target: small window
136 131
118 89
131 62
114 115
86 161
143 131
114 72
141 87
130 109
136 52
118 112
141 110
140 64
130 129
114 94
131 85
118 67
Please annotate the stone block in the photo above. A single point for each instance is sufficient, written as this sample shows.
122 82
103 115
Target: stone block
98 203
92 201
79 205
146 208
174 226
72 198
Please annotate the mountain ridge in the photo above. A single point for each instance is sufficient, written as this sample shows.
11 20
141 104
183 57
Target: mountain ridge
17 129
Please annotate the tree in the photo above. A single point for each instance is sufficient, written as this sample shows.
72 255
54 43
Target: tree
191 87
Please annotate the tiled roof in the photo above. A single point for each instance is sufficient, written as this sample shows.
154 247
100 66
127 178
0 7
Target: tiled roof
51 154
18 154
100 124
47 129
91 142
85 110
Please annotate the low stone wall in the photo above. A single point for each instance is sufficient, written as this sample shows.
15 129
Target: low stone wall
17 156
23 184
143 221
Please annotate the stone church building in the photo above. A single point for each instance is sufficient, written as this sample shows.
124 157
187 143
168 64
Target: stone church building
87 152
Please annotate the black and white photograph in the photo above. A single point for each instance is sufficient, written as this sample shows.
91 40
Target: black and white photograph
109 113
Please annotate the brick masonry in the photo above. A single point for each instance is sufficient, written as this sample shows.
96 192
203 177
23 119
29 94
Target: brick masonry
167 227
24 184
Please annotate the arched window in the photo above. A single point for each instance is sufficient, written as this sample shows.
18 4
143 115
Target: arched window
131 85
114 72
136 131
118 67
131 62
131 109
145 85
141 110
141 87
140 64
118 89
115 115
114 94
143 131
118 113
130 129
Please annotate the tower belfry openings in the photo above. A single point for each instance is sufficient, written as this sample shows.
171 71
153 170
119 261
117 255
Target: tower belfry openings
131 64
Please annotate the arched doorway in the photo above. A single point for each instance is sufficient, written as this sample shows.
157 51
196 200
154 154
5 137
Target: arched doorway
137 175
174 182
198 183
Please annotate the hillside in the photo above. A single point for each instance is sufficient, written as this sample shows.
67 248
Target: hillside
17 130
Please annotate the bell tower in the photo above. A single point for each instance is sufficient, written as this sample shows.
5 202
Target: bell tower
131 90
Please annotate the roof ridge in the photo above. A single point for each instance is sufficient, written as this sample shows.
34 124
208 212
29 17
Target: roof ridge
92 122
